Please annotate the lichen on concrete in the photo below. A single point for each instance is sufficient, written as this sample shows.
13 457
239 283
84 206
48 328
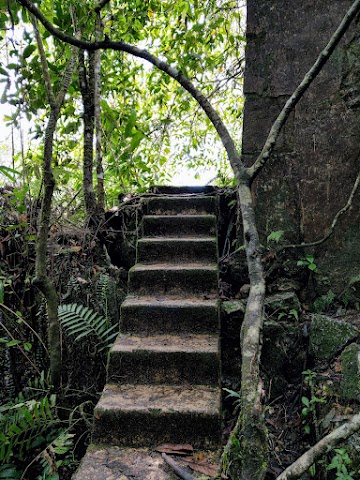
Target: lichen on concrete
350 364
328 336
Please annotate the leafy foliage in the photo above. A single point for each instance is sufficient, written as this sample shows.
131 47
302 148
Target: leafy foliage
24 425
83 321
341 463
149 125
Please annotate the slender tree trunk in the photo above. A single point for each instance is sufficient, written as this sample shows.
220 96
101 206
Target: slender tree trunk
87 88
98 124
253 438
41 280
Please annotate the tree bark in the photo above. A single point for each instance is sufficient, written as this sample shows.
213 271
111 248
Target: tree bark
42 280
326 444
87 89
98 123
253 435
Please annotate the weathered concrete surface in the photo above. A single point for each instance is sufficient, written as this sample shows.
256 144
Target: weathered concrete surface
328 336
115 463
317 156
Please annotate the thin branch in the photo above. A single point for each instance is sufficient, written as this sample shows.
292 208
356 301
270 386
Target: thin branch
176 74
177 470
19 347
22 320
44 64
101 5
331 229
326 444
301 89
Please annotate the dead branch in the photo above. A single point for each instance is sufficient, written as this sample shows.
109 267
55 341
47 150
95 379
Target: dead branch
177 470
331 229
326 444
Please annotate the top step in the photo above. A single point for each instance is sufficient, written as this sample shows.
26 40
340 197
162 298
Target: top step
173 190
181 205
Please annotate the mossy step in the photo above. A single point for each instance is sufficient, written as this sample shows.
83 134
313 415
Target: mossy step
174 279
190 205
183 190
179 225
153 315
162 249
106 462
146 415
103 462
160 359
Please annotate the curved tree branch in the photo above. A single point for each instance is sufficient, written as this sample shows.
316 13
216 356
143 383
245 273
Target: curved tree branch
301 89
331 229
173 72
326 444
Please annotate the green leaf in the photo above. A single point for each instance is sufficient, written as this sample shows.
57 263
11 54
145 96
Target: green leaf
2 292
130 124
9 472
275 236
135 141
305 401
312 266
28 51
13 343
9 172
294 313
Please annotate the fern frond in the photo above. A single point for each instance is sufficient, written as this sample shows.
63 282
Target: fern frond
82 321
22 424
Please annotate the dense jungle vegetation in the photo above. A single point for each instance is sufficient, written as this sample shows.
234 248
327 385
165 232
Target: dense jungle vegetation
100 102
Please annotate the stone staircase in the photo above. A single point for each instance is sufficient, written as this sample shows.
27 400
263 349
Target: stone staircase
164 368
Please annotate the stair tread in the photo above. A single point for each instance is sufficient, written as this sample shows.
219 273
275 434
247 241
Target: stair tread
172 302
184 216
113 462
167 343
209 266
187 239
192 399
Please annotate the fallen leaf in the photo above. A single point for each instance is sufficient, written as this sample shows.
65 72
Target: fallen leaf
175 449
202 466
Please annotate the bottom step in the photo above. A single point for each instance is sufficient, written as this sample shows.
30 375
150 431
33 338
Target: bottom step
146 415
115 463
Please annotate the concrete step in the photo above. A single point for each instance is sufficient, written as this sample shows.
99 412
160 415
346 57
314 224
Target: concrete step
156 314
174 279
103 462
181 190
161 359
106 462
146 415
179 225
184 205
163 249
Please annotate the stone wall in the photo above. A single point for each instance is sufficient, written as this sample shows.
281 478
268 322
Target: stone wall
316 159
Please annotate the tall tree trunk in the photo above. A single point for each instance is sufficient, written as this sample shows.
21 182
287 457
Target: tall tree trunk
87 88
98 124
253 437
42 280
